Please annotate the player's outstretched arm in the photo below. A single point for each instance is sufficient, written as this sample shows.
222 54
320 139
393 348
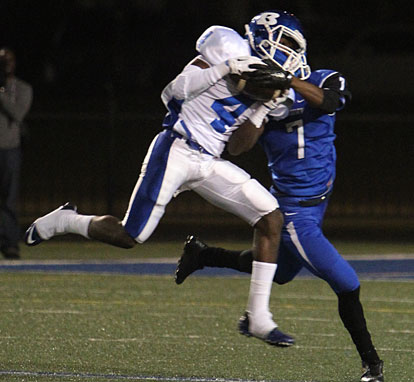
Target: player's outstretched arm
244 138
272 76
199 76
312 94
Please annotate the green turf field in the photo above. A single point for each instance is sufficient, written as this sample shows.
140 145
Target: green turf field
88 327
66 249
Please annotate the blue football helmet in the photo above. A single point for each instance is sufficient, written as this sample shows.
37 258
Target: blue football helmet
264 33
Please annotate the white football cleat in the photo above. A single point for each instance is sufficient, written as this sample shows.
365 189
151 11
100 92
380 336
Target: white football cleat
45 227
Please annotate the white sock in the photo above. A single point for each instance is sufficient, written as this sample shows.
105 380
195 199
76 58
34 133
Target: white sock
260 318
75 223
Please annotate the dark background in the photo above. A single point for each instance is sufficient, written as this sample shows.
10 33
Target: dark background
98 68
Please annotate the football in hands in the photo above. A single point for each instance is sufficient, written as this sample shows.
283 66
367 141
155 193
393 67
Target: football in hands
244 86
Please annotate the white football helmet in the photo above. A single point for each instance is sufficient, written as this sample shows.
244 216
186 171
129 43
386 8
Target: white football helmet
217 44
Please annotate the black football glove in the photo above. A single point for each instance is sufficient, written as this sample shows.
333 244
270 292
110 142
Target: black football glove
269 76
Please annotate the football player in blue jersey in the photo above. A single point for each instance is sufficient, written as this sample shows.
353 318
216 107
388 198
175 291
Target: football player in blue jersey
301 159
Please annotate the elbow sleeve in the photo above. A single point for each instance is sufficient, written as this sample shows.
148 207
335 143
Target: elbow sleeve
331 101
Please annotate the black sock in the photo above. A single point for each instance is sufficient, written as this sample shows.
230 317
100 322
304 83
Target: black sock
352 316
224 258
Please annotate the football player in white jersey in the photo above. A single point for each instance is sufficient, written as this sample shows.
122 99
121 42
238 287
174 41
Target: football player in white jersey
204 108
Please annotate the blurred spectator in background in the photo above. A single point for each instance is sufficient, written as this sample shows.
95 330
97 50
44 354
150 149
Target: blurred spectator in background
15 101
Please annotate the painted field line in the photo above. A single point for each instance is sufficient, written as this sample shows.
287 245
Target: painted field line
374 256
173 260
132 260
131 377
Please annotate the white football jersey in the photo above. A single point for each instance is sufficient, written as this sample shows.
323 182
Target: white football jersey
209 118
205 108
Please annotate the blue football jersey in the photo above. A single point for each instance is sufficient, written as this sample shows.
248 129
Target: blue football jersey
300 149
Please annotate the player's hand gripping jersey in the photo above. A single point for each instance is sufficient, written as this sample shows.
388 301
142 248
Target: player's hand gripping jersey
300 149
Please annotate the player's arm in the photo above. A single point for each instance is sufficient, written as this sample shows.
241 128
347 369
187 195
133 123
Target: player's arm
312 94
198 76
328 98
276 78
244 138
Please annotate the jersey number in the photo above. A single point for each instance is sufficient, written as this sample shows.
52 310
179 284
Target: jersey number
301 136
228 112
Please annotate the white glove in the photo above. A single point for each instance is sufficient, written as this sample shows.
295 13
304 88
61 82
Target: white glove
275 102
240 65
278 106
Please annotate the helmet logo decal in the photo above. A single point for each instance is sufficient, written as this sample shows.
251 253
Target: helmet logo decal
268 19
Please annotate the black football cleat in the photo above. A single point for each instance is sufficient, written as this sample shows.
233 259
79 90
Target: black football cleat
373 372
190 260
274 338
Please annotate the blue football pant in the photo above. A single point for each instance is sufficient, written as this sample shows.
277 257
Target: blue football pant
303 244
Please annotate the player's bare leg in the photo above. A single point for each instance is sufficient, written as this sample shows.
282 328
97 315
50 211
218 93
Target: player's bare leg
108 229
258 320
65 219
266 239
265 246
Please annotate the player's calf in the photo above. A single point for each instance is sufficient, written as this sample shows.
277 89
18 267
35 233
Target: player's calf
65 219
267 233
108 229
